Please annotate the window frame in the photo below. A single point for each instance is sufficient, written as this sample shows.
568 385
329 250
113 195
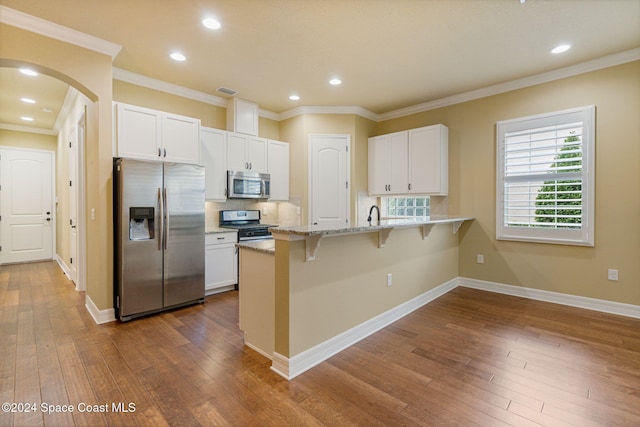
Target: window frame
584 236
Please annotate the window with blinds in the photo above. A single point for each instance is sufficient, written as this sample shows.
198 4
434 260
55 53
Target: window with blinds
545 178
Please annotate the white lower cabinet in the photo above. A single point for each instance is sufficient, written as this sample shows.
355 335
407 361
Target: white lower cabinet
221 262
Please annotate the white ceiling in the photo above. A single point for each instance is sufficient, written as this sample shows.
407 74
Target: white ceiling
389 54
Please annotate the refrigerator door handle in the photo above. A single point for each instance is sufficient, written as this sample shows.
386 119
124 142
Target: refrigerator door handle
161 228
165 232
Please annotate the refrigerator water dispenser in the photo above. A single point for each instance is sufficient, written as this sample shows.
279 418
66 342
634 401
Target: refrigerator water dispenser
141 223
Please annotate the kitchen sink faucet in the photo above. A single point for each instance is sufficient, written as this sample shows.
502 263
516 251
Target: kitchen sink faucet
371 211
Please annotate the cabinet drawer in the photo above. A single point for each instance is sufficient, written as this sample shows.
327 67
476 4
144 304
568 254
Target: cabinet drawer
220 238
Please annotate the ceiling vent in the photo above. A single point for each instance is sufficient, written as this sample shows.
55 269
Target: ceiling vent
227 91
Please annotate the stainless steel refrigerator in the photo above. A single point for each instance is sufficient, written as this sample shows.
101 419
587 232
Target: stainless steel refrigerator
159 236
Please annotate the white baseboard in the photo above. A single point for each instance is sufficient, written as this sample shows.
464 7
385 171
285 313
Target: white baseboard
292 367
611 307
280 365
99 316
63 266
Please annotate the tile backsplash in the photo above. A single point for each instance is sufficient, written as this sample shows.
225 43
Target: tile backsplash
281 213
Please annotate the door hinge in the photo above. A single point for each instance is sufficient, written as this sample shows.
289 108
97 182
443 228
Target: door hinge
70 222
346 184
347 148
69 144
71 260
70 185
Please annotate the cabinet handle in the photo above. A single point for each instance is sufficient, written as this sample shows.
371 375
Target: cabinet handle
165 152
409 187
159 152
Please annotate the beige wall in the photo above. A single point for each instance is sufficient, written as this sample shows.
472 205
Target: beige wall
36 141
571 270
296 131
346 284
90 73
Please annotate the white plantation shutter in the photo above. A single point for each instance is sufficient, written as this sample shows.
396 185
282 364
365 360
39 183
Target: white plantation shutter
545 178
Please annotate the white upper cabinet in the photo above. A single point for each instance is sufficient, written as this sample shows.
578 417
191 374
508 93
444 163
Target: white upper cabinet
242 116
409 162
146 134
180 139
246 153
278 168
214 159
138 132
388 168
429 160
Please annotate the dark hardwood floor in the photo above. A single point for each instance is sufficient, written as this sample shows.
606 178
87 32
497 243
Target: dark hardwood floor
470 358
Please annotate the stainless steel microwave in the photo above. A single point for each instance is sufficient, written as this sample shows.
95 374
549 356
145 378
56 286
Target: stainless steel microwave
248 185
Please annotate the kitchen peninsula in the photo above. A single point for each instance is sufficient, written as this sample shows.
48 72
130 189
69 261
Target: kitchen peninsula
333 286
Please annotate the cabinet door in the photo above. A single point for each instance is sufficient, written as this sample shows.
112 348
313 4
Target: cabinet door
428 160
257 154
278 168
388 171
399 166
236 152
180 139
214 160
138 132
379 169
221 266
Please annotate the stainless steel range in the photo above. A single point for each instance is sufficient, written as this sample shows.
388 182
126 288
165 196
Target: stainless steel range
247 222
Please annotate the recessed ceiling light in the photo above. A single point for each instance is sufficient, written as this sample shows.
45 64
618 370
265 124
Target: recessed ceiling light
294 97
177 56
28 100
335 81
561 48
27 119
211 23
28 72
47 110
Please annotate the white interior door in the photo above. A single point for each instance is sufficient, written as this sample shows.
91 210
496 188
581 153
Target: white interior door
329 180
26 205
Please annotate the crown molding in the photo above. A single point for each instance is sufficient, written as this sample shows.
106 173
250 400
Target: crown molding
46 28
151 83
355 110
28 129
585 67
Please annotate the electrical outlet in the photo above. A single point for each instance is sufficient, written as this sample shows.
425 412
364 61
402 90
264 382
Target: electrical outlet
612 274
480 259
389 279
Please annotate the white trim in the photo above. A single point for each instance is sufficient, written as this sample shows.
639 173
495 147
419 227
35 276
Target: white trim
64 267
262 352
280 365
355 110
40 26
585 67
151 83
99 316
611 307
28 129
296 365
290 368
49 29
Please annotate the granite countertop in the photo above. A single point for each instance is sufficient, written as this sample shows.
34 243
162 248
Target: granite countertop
214 230
316 230
267 246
